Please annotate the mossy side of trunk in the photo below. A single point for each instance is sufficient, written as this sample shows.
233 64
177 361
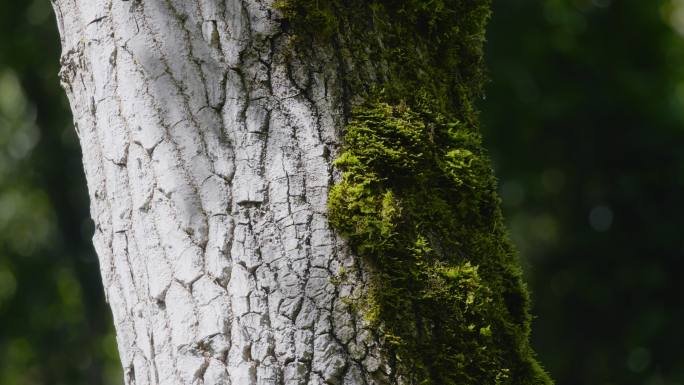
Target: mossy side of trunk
417 199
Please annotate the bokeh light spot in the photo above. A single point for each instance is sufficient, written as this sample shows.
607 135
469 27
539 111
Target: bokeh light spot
8 285
601 218
639 359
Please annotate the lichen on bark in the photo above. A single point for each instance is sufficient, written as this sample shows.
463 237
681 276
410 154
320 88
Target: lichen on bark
417 198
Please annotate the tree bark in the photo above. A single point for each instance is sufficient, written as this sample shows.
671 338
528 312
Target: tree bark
208 158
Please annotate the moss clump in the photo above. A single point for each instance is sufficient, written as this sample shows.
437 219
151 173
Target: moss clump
415 46
315 17
418 201
418 198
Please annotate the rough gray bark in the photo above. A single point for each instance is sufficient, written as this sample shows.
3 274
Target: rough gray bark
207 150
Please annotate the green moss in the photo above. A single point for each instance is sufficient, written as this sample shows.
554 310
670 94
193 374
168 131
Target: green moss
316 17
418 47
418 197
418 200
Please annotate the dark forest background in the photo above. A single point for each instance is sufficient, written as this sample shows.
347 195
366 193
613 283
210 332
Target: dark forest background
584 119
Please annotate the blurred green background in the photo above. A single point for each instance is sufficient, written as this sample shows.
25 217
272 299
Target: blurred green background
584 118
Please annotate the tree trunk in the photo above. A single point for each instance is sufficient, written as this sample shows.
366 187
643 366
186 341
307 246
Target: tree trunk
208 148
208 168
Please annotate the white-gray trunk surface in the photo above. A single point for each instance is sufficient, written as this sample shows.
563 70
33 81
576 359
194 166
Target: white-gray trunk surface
208 152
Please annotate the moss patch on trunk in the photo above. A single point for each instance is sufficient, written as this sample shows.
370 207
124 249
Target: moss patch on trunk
418 200
418 196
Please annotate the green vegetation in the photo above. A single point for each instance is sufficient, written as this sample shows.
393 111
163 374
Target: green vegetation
418 200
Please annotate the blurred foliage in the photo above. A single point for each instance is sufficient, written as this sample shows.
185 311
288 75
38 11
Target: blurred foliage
54 325
584 118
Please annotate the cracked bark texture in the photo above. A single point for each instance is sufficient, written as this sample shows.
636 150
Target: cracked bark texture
207 150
